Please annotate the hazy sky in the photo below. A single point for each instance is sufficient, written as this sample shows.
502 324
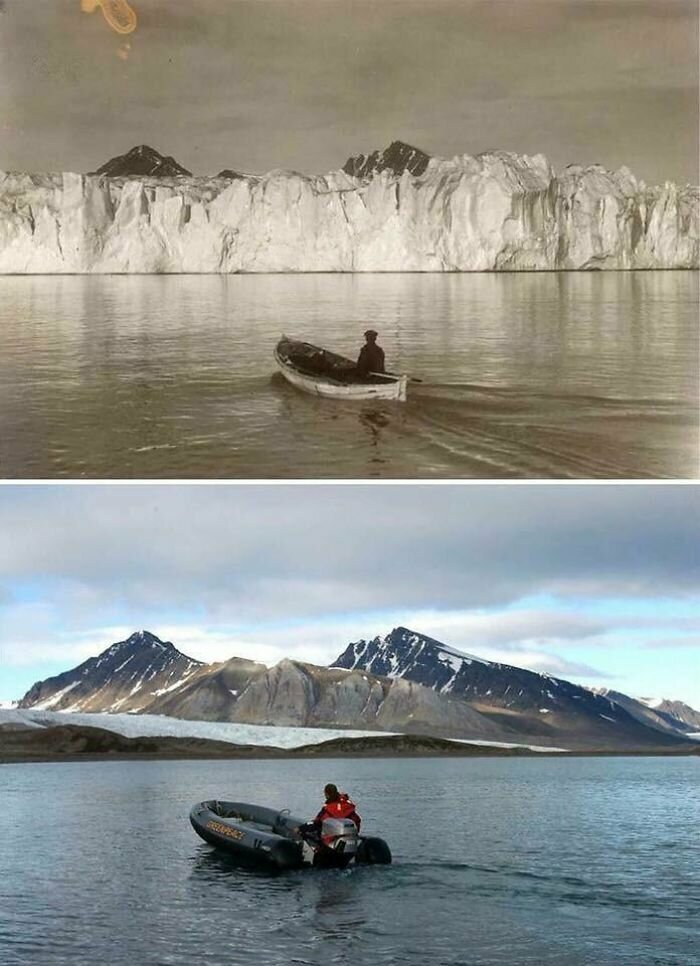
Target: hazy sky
600 584
303 84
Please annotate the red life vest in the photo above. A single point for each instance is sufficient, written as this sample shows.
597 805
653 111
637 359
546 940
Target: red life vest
342 807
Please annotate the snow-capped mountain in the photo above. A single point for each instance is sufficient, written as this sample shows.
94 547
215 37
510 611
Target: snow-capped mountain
142 160
678 713
397 158
125 677
648 711
491 212
522 700
404 682
144 674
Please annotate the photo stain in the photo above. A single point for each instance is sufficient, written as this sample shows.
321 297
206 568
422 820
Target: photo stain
118 14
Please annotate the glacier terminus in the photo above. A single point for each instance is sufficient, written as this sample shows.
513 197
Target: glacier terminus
394 211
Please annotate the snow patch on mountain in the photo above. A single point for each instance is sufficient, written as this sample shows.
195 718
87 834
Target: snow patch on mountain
52 701
652 702
507 744
177 685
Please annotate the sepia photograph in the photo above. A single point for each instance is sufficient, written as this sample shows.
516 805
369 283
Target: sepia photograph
446 239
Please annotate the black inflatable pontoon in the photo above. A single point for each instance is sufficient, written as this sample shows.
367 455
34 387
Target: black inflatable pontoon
261 836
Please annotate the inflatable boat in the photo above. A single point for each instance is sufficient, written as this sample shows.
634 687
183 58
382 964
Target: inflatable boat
323 373
260 836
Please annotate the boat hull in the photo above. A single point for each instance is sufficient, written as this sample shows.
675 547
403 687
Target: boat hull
231 826
258 836
387 387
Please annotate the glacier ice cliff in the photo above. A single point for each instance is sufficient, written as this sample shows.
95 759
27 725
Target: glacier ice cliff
493 212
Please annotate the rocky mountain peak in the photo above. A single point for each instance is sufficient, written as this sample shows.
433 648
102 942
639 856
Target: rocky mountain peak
402 651
147 639
139 642
506 694
124 677
230 174
678 712
142 161
397 158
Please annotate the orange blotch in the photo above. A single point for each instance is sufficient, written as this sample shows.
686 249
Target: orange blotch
118 14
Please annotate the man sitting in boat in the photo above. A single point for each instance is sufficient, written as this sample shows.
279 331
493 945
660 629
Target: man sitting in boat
337 805
371 357
334 833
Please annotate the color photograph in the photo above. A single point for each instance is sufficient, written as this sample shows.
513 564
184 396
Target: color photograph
473 726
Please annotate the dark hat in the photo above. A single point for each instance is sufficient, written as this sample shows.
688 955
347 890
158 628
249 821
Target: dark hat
372 332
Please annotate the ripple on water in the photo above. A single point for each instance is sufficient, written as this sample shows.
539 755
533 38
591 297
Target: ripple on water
560 375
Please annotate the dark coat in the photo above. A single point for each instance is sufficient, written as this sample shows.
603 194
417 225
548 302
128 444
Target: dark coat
371 359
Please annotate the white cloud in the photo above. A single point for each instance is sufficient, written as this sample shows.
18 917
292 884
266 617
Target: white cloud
300 571
260 553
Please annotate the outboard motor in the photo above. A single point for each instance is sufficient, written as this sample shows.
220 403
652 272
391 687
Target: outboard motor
340 834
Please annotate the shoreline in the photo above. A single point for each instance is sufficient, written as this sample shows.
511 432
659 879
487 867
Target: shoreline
377 271
75 743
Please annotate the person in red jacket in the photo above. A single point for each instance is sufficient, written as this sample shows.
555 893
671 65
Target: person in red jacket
336 805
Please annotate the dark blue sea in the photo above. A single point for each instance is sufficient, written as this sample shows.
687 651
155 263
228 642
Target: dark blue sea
496 861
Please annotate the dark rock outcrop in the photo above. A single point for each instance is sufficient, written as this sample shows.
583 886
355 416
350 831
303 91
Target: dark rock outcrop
397 158
230 175
144 162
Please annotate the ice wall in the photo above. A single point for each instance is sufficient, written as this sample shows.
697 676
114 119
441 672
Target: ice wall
497 211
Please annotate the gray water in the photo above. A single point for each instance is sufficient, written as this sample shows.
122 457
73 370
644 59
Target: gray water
496 861
549 375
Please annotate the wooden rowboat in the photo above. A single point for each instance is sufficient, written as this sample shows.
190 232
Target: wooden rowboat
324 373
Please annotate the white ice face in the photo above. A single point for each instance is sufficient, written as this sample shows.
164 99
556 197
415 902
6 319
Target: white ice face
494 211
155 725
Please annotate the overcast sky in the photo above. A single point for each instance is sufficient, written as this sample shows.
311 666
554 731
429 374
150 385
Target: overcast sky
600 584
303 84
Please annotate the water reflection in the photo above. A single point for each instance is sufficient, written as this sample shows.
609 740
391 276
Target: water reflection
212 865
550 375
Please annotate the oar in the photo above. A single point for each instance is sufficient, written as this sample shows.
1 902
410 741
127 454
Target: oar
395 375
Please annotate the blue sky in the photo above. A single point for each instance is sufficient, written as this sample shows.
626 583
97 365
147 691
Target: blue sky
598 584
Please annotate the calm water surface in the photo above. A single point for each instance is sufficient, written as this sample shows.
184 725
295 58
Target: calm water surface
552 375
585 861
